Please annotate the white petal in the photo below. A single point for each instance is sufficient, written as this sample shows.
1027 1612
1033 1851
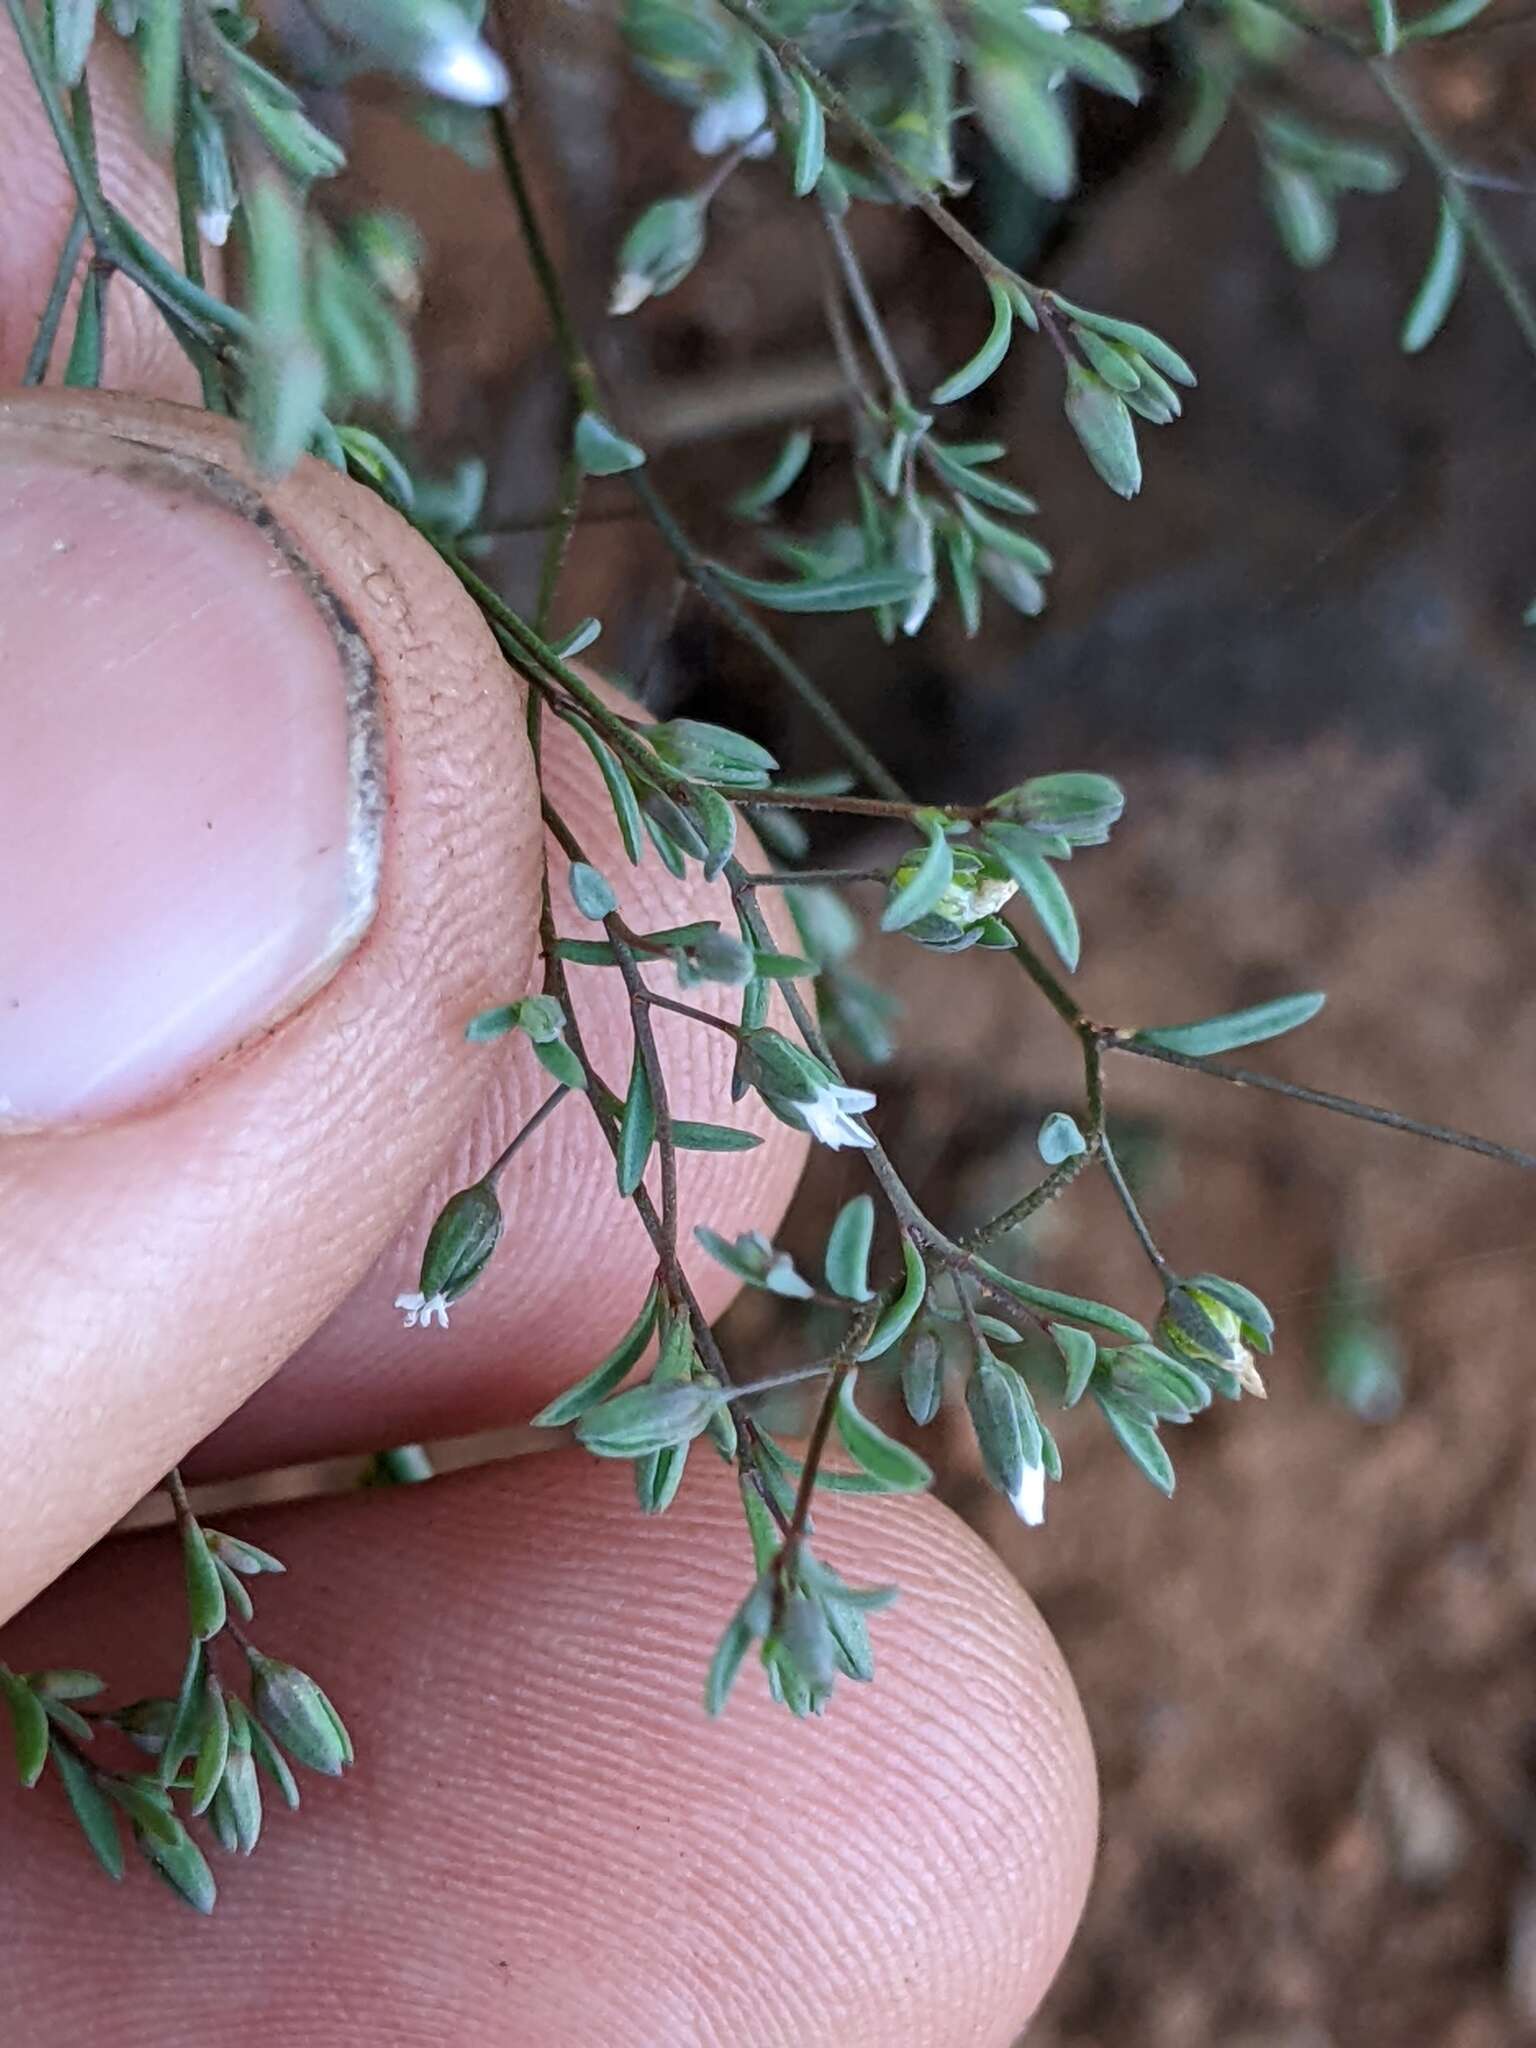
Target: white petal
465 71
1029 1497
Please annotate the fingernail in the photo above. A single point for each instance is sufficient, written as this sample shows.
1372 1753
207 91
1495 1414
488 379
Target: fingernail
189 788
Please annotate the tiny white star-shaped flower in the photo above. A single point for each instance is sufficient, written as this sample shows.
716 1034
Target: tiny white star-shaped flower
829 1116
1028 1498
420 1309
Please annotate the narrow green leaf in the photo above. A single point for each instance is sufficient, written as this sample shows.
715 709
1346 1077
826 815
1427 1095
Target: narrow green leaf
782 966
275 1764
1042 887
1099 1313
695 1137
1024 119
1140 1441
577 641
1243 1302
160 63
560 1062
1303 213
971 483
637 1128
1384 23
212 1747
206 1608
730 1653
83 370
66 1684
602 1379
1441 21
917 896
898 1469
97 1821
1080 1354
1442 280
179 1743
591 892
972 375
659 1474
857 590
184 1867
601 450
922 1378
147 1806
894 1321
782 473
621 794
847 1258
29 1727
1234 1027
71 25
234 1590
1141 339
1007 540
810 138
1116 368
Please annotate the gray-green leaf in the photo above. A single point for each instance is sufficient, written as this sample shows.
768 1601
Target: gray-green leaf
895 1320
1080 1354
29 1727
637 1127
1233 1028
916 897
898 1468
603 1378
847 1257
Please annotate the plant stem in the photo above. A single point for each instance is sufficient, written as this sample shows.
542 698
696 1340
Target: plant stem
1321 1098
53 309
875 334
550 1103
900 179
1128 1203
692 1013
696 568
811 878
1491 252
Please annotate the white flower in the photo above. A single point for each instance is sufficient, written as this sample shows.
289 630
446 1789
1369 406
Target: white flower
1049 18
829 1115
1029 1496
462 68
213 224
421 1308
731 119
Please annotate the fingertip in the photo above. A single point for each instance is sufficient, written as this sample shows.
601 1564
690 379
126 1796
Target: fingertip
542 1820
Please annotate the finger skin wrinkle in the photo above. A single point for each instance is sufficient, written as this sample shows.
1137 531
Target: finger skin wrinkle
545 1840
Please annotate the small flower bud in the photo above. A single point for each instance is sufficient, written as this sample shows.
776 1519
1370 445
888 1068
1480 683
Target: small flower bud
296 1713
1198 1325
461 1242
649 1418
658 252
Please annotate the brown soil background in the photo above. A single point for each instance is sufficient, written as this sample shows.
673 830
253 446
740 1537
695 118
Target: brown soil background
1310 1677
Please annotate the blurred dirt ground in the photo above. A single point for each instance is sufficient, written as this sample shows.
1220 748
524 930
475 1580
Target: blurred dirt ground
1310 1677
